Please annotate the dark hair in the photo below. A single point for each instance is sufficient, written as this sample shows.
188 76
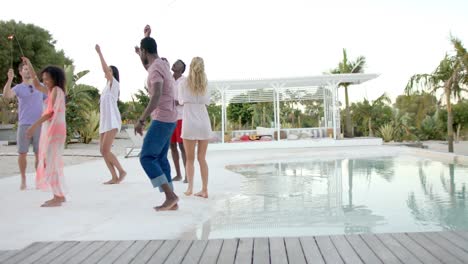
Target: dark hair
115 72
57 75
20 66
149 44
183 64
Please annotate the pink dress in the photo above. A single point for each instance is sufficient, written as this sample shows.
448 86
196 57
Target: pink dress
49 173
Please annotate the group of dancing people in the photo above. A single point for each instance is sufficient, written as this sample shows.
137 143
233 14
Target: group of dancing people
177 109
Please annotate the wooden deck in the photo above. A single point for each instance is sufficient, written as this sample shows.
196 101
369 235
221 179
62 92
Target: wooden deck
433 247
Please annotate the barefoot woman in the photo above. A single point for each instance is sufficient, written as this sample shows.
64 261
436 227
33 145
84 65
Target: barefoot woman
196 128
110 121
49 173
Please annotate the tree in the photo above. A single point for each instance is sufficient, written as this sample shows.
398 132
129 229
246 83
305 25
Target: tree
36 43
372 111
78 102
451 77
460 116
417 105
346 66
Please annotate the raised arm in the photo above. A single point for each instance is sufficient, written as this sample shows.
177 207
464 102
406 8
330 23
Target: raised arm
105 68
7 92
36 82
153 103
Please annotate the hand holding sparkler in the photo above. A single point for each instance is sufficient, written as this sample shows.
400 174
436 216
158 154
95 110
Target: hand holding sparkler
11 74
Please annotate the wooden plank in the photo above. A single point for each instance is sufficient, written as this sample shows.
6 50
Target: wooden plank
455 239
132 252
178 254
244 251
398 250
328 250
8 254
228 251
147 252
49 257
24 253
379 249
434 249
42 252
101 252
261 251
447 246
311 250
345 250
293 250
195 252
88 251
116 252
423 255
163 252
278 251
361 248
212 250
77 248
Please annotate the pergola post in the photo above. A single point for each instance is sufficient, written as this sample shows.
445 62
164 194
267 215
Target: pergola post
223 113
276 89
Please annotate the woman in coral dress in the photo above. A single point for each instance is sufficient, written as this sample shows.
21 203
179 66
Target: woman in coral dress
49 172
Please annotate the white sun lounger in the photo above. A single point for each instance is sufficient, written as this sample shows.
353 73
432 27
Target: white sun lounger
137 141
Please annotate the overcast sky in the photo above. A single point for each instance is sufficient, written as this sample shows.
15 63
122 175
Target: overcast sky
254 39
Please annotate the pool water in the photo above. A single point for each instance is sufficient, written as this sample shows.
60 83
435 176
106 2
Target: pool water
343 196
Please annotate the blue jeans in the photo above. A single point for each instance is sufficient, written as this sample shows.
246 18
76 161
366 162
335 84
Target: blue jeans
153 156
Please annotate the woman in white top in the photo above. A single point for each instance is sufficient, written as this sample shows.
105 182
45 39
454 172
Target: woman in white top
196 128
110 120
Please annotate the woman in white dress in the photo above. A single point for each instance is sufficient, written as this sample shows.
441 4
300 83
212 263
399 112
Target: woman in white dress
110 120
196 128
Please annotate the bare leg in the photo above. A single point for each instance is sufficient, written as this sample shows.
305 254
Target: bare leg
171 200
182 152
112 162
175 159
22 163
189 165
201 156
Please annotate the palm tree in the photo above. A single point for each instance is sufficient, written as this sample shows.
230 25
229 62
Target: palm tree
368 110
346 66
79 102
451 76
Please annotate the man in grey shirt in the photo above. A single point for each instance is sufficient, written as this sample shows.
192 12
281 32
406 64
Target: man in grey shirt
30 104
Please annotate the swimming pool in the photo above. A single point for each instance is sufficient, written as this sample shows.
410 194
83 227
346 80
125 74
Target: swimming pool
402 193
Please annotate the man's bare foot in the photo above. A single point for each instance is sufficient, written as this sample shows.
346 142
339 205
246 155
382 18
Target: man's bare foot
168 204
188 192
112 181
177 178
173 208
23 186
122 175
185 180
203 194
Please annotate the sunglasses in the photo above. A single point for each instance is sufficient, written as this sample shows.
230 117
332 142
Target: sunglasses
31 89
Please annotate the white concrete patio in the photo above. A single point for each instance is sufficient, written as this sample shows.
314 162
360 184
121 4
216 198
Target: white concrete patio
124 212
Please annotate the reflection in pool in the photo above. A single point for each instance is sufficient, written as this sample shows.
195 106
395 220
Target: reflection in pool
343 196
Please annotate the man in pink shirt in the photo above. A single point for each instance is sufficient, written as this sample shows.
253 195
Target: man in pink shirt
162 109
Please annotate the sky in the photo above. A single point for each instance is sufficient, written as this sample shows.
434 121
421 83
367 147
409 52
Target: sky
254 38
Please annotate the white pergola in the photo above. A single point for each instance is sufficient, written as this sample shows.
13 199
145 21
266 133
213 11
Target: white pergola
276 90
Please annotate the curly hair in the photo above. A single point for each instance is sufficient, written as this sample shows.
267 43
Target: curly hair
57 75
197 80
